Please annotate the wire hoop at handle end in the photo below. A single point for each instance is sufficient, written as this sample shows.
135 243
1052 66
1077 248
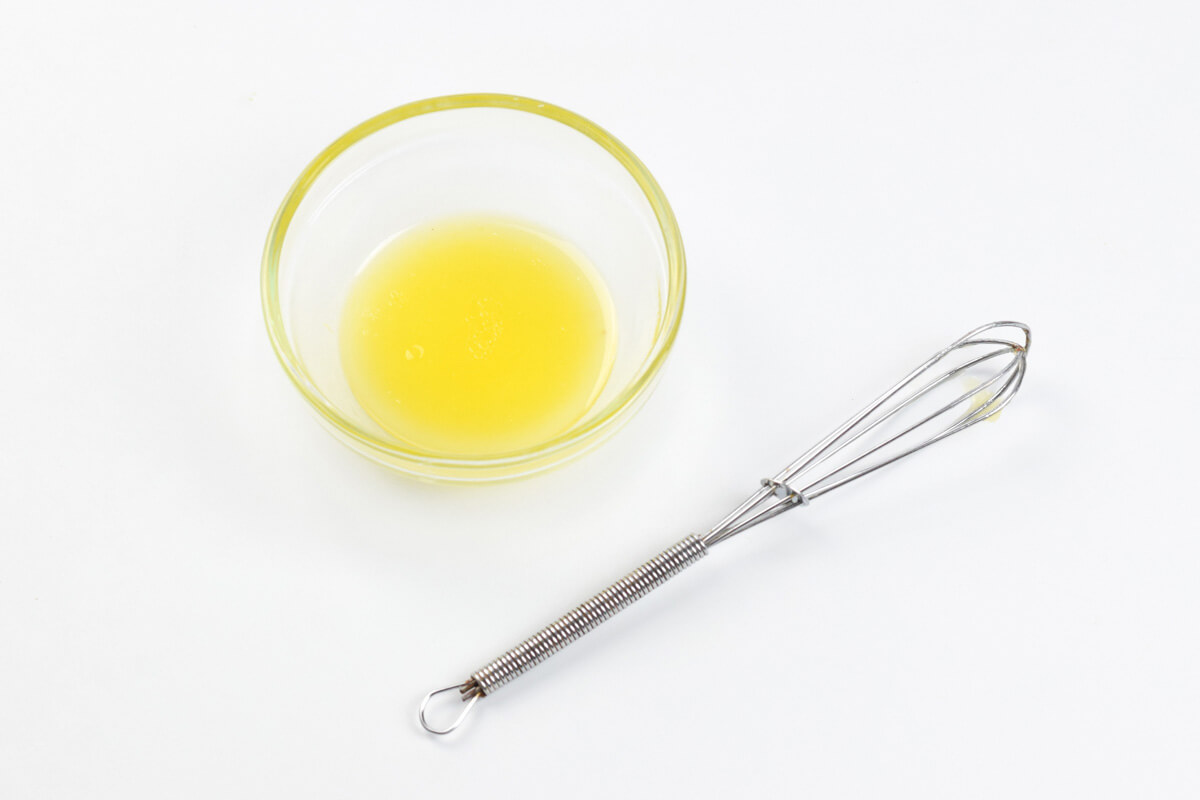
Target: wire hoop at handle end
474 698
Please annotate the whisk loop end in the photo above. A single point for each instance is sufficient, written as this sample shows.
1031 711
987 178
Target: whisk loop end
923 408
470 701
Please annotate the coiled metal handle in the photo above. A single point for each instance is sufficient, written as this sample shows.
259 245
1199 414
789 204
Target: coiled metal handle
583 618
570 626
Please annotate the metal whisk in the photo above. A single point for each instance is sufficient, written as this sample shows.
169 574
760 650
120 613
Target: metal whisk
923 408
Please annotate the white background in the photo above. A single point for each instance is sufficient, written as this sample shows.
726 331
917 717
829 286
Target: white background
203 595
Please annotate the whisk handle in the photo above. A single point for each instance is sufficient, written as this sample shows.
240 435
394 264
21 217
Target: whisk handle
586 616
569 627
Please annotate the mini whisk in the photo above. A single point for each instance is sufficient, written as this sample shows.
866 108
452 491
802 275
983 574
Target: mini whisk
906 418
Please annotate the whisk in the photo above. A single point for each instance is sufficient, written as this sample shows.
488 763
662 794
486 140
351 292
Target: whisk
923 408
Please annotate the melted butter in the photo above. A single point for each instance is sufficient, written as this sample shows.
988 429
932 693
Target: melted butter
980 400
476 336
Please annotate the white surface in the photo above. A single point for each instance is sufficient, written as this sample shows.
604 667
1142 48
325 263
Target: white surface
203 595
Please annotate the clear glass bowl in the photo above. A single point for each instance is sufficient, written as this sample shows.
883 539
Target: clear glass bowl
477 153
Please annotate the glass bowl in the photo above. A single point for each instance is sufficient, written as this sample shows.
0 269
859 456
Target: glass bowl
472 154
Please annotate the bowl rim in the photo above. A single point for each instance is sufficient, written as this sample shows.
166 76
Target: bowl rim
565 443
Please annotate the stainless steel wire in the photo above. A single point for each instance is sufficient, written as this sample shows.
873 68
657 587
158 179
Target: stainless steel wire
575 623
819 471
919 410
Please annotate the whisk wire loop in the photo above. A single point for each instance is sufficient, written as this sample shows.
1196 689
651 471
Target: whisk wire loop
843 463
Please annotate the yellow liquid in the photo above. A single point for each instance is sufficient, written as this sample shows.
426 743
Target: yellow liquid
477 336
